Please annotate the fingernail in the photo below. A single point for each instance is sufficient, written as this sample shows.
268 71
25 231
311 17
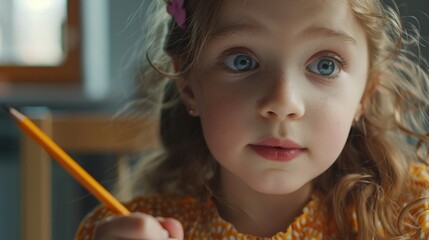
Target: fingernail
160 218
164 234
108 219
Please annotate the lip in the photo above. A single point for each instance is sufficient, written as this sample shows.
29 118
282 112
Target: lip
277 150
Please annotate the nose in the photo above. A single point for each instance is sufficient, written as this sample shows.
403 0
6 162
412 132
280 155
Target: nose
283 100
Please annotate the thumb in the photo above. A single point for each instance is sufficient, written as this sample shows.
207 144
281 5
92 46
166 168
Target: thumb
173 227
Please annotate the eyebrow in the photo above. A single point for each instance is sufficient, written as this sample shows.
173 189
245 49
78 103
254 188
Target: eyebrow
311 32
315 32
234 29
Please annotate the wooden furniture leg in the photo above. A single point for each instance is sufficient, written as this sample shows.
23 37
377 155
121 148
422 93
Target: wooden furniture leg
36 188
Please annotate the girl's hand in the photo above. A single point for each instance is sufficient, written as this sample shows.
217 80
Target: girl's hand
139 226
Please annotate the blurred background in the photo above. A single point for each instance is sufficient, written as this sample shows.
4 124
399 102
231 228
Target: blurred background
72 56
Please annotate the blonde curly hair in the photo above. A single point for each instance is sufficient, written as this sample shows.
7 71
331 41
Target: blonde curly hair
370 176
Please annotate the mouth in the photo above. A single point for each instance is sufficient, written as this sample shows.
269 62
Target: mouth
277 150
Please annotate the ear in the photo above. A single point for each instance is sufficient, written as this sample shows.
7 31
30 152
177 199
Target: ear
371 87
185 90
187 95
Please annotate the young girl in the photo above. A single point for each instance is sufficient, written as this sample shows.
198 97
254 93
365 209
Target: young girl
280 119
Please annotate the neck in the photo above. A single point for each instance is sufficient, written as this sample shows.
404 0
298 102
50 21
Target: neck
256 213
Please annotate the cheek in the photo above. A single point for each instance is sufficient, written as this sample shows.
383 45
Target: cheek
223 106
331 130
223 120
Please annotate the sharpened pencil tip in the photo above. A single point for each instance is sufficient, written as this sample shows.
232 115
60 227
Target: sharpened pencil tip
6 107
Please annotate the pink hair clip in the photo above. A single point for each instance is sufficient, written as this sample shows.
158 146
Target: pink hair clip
177 10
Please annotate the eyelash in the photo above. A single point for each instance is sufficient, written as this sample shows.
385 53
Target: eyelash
340 61
236 51
342 64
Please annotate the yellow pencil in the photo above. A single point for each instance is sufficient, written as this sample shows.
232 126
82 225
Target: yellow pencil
67 162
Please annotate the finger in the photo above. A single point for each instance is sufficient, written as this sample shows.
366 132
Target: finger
133 226
173 227
148 227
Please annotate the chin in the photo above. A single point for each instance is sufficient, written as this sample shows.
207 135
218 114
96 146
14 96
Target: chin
276 188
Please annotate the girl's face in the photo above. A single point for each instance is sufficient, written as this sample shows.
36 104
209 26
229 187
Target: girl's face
277 88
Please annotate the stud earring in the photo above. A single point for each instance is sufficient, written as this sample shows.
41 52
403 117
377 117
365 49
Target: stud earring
192 111
356 119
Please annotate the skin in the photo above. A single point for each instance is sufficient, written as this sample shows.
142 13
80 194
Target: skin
281 93
138 226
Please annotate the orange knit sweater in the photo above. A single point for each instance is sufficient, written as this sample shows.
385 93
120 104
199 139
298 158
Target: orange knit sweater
202 221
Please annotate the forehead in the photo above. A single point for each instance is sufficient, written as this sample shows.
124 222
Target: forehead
285 9
288 17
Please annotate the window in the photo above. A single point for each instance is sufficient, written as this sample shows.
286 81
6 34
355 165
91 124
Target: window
40 41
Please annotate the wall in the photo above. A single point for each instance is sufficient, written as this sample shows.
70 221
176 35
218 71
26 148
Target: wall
107 38
107 83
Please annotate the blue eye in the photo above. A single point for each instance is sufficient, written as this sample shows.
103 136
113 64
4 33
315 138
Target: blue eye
325 67
240 62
